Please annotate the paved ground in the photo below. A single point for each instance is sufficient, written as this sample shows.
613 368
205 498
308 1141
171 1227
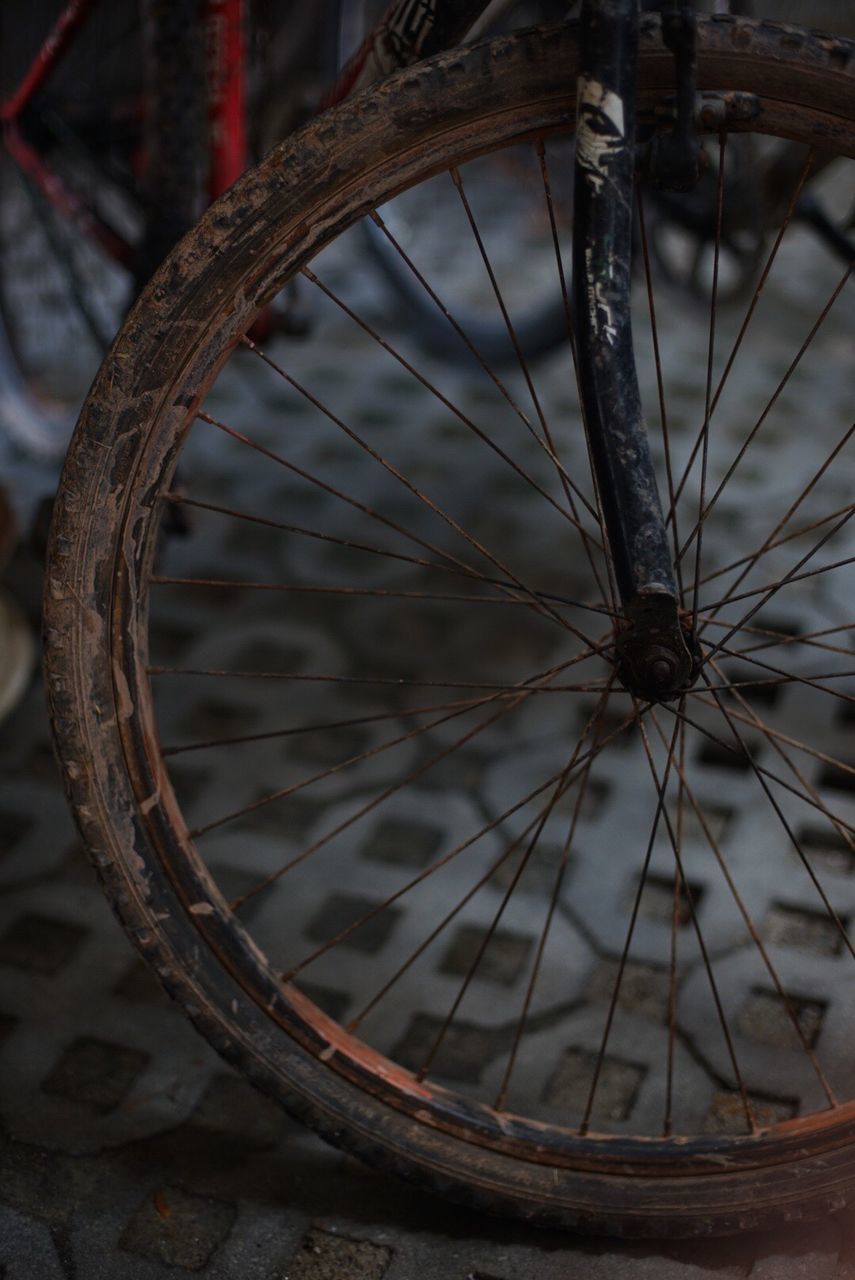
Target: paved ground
128 1149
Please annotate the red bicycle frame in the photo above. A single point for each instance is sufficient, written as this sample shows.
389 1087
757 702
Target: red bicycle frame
226 63
408 30
225 50
28 158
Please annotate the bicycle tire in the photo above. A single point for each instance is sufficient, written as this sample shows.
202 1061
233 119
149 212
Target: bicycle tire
100 578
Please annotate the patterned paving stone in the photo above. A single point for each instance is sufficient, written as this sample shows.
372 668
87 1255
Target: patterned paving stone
398 841
334 1003
731 756
500 957
643 989
94 1074
838 779
617 1085
657 900
40 944
340 911
324 1256
827 851
464 773
139 986
231 1106
807 930
12 827
462 1056
785 1024
27 1251
297 816
178 1228
728 1115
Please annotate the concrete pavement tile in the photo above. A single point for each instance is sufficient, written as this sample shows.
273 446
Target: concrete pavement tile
27 1251
802 1253
511 1254
326 1255
178 1228
846 1260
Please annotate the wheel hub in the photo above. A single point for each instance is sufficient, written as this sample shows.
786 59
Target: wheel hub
658 657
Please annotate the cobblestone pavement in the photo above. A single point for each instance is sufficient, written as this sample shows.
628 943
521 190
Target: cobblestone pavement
128 1149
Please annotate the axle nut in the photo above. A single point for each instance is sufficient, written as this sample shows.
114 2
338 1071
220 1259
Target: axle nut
661 672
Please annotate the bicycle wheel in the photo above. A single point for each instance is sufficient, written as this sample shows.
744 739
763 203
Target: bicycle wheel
62 295
353 761
121 150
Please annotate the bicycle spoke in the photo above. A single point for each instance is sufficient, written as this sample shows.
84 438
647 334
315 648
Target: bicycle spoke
755 430
545 441
567 484
764 275
283 792
738 752
591 727
375 910
318 483
355 1023
780 639
690 898
560 787
501 387
705 430
770 590
752 306
180 499
320 726
749 923
379 907
411 488
805 861
394 788
660 388
642 880
676 912
755 556
458 413
302 588
790 677
774 736
467 571
771 546
429 546
400 713
775 739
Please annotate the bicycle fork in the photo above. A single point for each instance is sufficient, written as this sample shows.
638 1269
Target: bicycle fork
657 653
